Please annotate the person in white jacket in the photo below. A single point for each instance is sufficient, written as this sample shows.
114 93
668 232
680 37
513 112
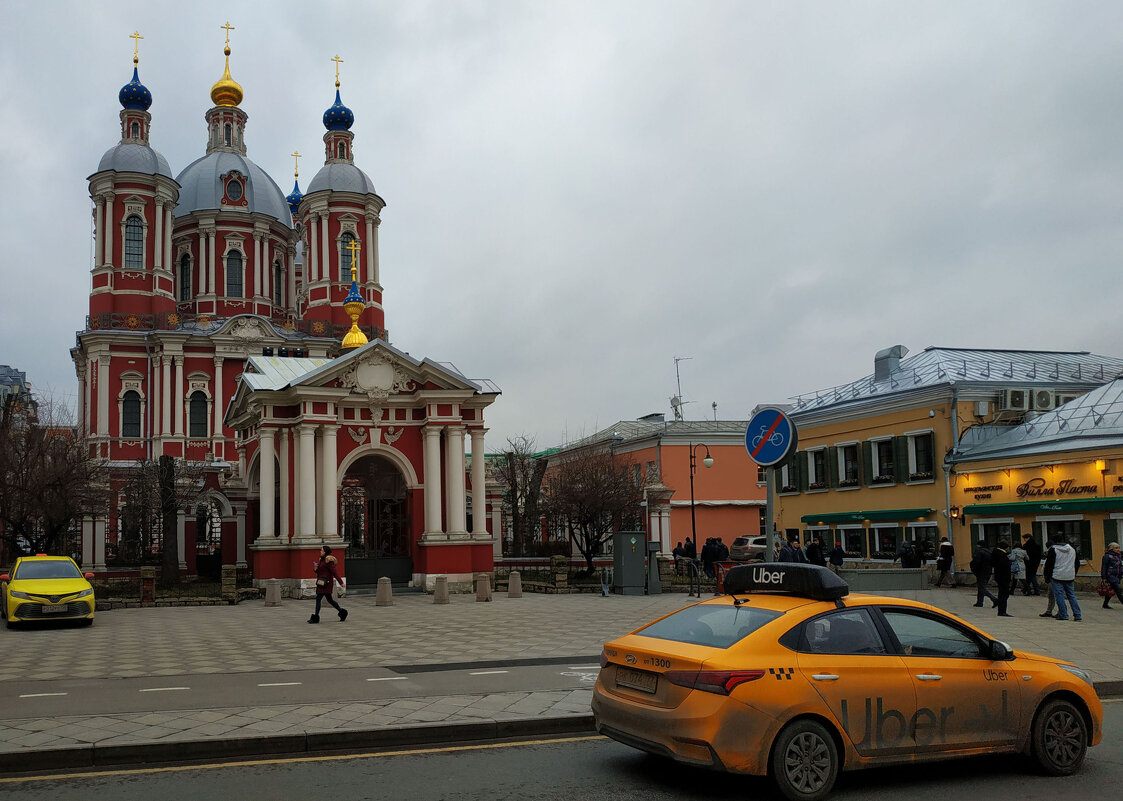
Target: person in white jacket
1061 564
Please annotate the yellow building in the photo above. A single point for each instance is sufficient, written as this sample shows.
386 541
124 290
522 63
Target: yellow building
915 450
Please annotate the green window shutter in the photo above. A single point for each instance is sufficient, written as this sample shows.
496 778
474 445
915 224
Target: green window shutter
1015 534
1038 529
901 458
976 533
832 467
1111 531
801 468
1085 541
867 463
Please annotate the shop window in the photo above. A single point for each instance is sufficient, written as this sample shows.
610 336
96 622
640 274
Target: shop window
926 538
817 469
197 415
234 274
885 542
882 453
853 542
130 414
848 470
134 243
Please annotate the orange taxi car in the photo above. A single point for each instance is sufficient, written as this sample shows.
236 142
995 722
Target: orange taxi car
788 675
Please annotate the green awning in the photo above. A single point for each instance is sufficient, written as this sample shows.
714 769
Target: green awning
1044 507
861 517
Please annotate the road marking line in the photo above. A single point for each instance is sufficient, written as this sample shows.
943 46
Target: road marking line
291 760
40 695
585 667
390 678
162 689
282 684
487 672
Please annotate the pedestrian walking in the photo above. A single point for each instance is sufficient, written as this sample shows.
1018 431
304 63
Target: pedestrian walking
326 577
777 546
1033 561
1061 564
945 563
1017 568
1047 574
981 568
815 552
1111 571
836 558
792 552
1002 566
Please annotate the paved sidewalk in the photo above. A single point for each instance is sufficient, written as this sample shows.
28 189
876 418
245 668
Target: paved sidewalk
253 638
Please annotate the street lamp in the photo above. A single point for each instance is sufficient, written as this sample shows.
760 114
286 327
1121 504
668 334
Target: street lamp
708 461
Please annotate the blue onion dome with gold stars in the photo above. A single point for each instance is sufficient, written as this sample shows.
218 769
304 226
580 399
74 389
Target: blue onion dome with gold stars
338 117
134 95
294 197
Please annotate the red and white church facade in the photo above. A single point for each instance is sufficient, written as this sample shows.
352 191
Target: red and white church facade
218 334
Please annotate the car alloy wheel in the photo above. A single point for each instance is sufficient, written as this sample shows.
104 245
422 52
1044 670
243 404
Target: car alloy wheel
805 761
1060 738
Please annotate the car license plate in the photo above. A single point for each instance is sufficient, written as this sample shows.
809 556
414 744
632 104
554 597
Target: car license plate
54 610
636 679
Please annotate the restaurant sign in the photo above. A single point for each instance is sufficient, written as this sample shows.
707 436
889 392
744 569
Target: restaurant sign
1036 488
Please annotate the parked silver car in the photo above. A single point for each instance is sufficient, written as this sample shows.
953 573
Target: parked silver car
747 549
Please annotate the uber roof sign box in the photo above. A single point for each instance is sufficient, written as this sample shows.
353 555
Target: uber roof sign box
808 581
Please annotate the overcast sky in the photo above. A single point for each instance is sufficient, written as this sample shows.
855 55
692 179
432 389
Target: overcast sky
578 192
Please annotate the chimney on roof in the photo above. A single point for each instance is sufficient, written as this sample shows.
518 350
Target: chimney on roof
654 417
888 361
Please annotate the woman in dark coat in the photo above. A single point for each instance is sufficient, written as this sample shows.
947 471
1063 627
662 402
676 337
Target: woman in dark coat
1000 561
945 563
326 576
1111 571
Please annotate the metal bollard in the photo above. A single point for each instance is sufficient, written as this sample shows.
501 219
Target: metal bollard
440 590
273 592
385 594
515 585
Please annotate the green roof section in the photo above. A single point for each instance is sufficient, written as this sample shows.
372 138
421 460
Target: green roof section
864 516
1039 507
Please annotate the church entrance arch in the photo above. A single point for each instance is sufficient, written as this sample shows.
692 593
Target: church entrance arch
374 509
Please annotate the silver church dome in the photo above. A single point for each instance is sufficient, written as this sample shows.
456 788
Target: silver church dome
341 177
201 187
134 158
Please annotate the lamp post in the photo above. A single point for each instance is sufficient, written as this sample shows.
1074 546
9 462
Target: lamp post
708 461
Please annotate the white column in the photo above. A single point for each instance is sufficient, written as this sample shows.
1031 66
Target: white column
370 276
325 262
103 395
202 264
285 527
88 388
289 302
330 501
257 285
99 232
320 481
454 480
110 228
479 480
306 481
240 523
497 530
166 395
311 258
372 246
265 465
87 542
168 223
158 248
99 543
431 459
157 402
267 277
177 391
218 407
181 540
211 270
296 489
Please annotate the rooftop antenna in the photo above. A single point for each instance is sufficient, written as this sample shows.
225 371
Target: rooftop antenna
714 404
677 402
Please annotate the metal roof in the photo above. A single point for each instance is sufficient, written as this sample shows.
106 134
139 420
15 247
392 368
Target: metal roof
628 430
1093 420
341 177
936 366
201 187
131 157
278 372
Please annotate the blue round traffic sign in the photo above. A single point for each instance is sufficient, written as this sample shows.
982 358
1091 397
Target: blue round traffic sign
770 437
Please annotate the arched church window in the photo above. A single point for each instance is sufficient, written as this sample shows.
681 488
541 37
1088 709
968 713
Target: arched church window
134 243
234 274
277 278
134 130
340 151
197 415
226 134
345 256
185 277
130 414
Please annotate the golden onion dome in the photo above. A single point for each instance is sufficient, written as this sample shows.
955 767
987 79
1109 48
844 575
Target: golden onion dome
226 91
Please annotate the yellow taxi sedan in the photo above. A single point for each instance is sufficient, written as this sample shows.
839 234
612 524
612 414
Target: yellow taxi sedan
44 587
788 675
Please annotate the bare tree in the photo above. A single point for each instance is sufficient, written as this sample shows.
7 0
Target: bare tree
520 471
49 478
592 493
154 492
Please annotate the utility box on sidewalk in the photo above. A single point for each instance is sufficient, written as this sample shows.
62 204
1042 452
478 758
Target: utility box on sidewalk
629 562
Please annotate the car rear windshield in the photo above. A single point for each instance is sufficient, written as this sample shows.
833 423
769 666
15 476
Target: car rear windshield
715 626
47 570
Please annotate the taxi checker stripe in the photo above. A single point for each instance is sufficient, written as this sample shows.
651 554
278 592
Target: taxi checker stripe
782 673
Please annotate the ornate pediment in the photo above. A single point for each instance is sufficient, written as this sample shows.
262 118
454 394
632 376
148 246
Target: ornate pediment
377 376
249 330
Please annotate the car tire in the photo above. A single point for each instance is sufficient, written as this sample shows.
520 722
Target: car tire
805 762
1059 737
89 621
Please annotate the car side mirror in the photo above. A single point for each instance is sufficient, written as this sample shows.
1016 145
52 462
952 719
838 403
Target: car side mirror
88 575
1000 651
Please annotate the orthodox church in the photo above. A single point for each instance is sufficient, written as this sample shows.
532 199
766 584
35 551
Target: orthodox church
243 330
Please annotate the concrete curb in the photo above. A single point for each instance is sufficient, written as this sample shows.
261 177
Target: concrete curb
320 742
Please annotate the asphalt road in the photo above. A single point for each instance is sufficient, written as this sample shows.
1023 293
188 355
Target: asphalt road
563 770
21 699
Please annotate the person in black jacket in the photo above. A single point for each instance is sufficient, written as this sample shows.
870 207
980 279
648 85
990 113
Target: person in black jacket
1033 561
980 566
1000 563
945 563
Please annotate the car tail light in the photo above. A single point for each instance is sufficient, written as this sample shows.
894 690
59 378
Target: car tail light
721 682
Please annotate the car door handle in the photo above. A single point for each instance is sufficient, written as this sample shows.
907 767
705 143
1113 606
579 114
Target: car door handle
928 676
825 676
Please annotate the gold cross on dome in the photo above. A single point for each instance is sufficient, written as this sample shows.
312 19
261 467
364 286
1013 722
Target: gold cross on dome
353 246
136 37
337 61
296 163
228 28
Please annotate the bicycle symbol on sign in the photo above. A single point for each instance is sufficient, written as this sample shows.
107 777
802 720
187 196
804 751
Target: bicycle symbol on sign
777 437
